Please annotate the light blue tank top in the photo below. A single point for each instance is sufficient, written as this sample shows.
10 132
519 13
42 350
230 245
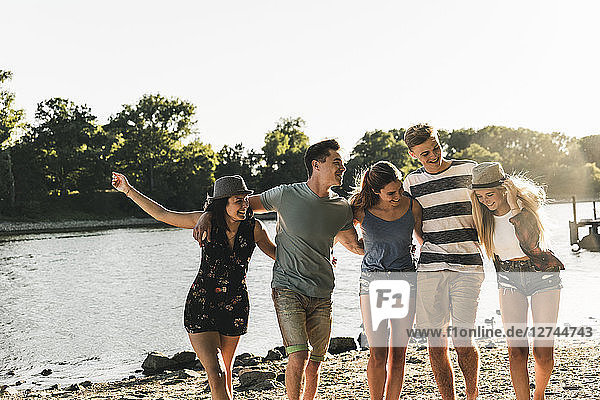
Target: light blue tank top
388 243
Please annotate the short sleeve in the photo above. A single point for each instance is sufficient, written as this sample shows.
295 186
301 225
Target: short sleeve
349 220
406 186
271 199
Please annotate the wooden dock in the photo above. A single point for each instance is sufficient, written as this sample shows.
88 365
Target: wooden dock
591 241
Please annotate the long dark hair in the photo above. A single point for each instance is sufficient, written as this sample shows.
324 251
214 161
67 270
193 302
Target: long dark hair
373 180
217 209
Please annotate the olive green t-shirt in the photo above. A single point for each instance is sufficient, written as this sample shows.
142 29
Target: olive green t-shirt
306 228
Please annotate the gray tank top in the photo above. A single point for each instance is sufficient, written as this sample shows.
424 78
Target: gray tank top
388 243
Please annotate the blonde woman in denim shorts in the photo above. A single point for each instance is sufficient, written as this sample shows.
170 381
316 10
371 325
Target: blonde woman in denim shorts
506 214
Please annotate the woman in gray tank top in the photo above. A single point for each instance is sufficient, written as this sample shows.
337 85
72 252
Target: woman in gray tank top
388 218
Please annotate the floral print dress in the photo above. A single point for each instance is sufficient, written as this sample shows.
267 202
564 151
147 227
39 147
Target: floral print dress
218 299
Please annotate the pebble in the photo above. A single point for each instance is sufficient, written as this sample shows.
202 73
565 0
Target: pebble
343 377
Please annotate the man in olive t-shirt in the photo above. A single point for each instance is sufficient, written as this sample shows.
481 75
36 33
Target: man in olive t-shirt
306 227
309 220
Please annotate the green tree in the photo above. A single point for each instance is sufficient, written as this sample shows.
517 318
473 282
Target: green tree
186 178
62 139
237 160
553 159
456 141
11 121
477 153
590 146
149 136
376 146
284 154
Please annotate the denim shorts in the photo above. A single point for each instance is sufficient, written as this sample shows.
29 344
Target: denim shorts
522 277
303 320
366 277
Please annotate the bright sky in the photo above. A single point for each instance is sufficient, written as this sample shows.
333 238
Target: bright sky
343 66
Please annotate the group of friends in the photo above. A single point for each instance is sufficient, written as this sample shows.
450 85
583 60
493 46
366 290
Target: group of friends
454 211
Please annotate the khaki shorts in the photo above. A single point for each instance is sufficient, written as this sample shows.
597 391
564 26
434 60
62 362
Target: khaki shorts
303 320
447 295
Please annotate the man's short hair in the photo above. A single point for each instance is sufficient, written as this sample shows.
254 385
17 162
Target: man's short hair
319 151
417 134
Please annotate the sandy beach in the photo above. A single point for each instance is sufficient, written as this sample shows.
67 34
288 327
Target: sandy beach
343 376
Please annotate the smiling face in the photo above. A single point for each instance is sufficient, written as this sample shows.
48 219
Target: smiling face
493 199
429 153
330 171
237 206
391 193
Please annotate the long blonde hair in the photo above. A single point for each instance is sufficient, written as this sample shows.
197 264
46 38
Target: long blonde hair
530 196
370 181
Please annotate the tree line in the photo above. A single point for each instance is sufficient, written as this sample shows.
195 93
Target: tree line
60 164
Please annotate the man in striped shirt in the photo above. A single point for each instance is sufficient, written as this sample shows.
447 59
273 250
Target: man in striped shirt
450 268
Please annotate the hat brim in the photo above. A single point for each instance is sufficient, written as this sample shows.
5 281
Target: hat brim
486 185
245 192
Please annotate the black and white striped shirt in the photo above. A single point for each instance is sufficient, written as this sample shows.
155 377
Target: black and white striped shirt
449 234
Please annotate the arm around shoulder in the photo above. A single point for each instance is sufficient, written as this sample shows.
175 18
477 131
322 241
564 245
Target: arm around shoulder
262 239
256 204
349 239
418 216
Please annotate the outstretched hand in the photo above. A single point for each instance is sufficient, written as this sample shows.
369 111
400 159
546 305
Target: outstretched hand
120 182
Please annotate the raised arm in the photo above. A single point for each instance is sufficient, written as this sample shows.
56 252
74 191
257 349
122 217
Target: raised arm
155 210
349 239
262 239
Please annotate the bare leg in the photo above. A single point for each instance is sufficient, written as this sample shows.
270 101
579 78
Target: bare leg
468 361
544 309
440 364
395 373
294 374
376 366
376 371
312 379
207 346
397 353
514 307
228 346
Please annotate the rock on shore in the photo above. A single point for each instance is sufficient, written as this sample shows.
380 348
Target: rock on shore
343 377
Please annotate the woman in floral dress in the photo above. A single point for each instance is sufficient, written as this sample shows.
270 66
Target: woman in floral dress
217 306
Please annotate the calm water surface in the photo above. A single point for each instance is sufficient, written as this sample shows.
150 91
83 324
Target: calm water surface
92 305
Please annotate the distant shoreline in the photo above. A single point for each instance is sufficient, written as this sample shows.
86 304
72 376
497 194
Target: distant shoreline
15 227
10 228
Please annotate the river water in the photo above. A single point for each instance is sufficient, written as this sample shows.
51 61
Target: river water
91 305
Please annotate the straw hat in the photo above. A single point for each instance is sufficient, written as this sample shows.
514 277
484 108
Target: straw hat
487 175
